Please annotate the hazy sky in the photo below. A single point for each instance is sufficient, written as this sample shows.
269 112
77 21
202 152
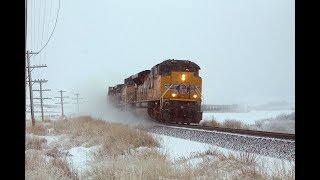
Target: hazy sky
245 48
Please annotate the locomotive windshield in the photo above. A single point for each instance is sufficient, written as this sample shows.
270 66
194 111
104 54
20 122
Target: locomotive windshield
166 67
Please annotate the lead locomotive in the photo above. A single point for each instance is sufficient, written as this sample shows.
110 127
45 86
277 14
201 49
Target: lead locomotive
171 91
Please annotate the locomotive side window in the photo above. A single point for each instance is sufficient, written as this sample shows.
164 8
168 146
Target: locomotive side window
196 73
155 71
149 83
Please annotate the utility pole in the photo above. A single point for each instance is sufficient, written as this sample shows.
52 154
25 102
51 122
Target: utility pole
77 94
25 50
30 86
61 101
41 98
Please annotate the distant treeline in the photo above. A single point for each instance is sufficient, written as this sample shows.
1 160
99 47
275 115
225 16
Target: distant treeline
224 108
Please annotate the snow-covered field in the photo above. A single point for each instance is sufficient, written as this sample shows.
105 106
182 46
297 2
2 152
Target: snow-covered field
248 117
181 148
79 157
179 151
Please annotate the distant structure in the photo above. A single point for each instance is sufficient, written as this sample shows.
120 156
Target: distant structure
225 108
275 105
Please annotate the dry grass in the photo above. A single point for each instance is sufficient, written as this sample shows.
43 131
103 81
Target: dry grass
53 152
33 160
283 173
127 153
39 128
115 138
283 123
34 142
37 166
234 124
151 164
212 123
218 165
63 166
249 159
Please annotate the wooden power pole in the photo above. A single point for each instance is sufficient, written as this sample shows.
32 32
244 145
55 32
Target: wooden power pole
61 101
41 98
30 86
77 94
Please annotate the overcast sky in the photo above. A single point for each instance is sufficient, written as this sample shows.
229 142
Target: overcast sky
245 48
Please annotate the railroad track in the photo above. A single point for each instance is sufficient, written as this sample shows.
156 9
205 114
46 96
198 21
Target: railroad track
237 131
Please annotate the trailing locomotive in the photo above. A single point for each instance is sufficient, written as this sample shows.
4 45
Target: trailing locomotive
171 91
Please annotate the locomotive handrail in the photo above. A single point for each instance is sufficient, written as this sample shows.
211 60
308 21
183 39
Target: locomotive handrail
198 92
130 98
161 98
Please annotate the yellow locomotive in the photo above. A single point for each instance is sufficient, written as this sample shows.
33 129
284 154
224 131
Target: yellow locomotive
171 91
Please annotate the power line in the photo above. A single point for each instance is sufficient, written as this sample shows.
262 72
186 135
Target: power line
44 15
52 30
35 27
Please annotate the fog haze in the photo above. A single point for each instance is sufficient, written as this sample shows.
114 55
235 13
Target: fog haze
245 48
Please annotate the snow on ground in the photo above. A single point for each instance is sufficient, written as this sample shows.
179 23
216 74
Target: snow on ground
177 148
80 156
247 117
180 148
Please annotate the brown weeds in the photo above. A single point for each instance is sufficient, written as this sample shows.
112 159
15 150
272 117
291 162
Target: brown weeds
212 123
128 153
37 166
33 142
114 138
38 129
234 124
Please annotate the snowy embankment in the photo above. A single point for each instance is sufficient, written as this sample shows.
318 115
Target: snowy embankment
247 117
178 149
272 120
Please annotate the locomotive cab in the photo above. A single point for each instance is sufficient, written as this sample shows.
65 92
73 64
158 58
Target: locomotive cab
179 94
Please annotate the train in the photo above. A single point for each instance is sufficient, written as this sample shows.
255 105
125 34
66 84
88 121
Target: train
171 91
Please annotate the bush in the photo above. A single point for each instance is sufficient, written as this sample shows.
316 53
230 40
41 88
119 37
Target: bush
39 128
283 123
151 164
234 124
38 167
33 142
212 123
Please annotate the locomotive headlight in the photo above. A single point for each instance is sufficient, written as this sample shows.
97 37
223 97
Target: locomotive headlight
173 94
195 96
183 77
